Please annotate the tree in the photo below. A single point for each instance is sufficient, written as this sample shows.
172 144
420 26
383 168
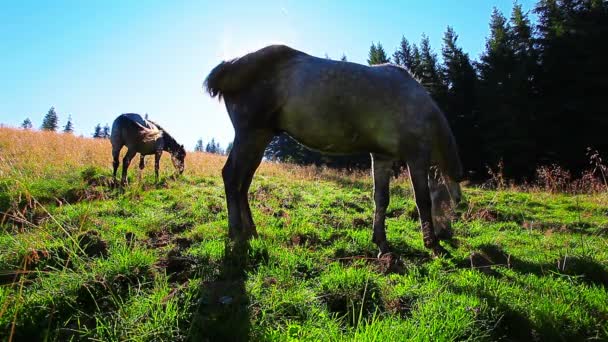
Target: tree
199 146
213 147
377 55
97 132
105 133
26 124
499 124
343 58
50 121
229 148
460 105
69 126
404 55
429 72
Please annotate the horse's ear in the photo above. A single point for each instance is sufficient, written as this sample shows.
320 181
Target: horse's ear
182 146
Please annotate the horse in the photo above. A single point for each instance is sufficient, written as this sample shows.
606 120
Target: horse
342 108
144 137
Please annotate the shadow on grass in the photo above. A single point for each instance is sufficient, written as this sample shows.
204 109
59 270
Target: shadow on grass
511 325
223 313
489 256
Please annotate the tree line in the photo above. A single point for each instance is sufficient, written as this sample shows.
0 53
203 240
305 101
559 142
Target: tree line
50 122
534 97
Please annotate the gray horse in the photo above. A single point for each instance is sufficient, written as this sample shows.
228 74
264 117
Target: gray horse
144 137
339 108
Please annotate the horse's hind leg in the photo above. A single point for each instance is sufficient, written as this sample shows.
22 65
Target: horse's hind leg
125 164
419 172
382 171
244 158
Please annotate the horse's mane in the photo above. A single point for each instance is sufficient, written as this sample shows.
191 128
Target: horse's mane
169 140
237 74
151 133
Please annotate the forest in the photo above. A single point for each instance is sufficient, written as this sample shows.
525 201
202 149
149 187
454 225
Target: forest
535 97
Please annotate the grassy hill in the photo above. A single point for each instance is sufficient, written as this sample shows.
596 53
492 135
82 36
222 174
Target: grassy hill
80 260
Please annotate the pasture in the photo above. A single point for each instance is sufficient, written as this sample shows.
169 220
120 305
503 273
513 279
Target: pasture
80 260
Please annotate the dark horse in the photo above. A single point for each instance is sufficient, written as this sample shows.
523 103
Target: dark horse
340 108
144 137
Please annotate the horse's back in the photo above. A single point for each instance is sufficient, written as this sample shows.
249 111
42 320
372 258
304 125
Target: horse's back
332 105
134 131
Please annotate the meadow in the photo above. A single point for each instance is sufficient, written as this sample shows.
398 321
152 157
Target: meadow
80 260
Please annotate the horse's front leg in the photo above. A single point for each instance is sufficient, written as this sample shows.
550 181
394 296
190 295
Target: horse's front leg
382 171
141 166
419 171
157 156
115 162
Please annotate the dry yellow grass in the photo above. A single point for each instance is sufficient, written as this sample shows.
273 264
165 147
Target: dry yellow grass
31 154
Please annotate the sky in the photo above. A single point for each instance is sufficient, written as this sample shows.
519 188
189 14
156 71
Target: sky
96 59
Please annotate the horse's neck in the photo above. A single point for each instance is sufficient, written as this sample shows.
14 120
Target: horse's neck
169 144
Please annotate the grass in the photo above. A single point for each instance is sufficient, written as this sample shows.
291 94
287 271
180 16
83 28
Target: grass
79 260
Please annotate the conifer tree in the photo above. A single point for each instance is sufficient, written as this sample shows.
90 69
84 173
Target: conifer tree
26 124
69 126
50 121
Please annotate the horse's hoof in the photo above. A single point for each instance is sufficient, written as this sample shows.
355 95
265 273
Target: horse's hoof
438 251
445 234
383 248
385 255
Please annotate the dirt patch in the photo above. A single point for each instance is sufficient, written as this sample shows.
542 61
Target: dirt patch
394 213
401 306
178 267
487 257
158 239
359 222
92 244
182 243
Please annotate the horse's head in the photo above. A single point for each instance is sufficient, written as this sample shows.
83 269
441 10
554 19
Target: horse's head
445 196
177 157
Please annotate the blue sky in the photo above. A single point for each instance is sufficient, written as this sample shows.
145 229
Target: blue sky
97 59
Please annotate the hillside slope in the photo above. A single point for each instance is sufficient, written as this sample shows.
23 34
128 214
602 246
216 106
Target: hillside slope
81 260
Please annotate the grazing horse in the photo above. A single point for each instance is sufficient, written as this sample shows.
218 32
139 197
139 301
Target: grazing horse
340 108
144 137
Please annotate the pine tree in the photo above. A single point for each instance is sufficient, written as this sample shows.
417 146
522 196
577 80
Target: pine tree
105 133
377 55
26 124
460 104
69 126
97 131
500 125
429 72
199 146
213 147
404 55
50 121
229 148
343 58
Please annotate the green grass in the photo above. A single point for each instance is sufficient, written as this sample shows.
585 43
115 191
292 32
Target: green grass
79 260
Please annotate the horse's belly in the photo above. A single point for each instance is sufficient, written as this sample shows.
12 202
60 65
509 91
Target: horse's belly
331 135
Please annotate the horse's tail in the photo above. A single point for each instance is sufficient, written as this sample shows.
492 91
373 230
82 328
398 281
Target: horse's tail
446 149
238 74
